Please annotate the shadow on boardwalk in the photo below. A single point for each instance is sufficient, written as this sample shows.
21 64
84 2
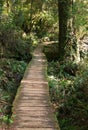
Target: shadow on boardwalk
32 105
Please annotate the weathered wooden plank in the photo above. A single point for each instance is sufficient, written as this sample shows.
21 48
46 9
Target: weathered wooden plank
32 105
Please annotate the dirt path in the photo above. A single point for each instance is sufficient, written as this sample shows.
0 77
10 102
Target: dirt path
32 104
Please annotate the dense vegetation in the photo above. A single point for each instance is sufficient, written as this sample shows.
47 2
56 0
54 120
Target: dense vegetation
68 68
68 83
14 56
24 24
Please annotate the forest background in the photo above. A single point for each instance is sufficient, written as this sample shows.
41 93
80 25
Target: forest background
62 25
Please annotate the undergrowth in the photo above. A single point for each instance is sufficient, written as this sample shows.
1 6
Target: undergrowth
69 94
11 73
15 53
68 83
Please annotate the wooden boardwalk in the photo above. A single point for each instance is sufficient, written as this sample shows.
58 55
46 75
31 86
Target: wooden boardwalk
32 105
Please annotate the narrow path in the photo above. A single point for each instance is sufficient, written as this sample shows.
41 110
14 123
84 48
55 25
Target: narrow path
32 104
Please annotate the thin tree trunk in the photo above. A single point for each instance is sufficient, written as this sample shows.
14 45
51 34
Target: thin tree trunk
31 15
7 4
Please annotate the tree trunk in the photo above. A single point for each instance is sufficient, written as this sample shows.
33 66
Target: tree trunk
63 20
31 15
67 38
8 6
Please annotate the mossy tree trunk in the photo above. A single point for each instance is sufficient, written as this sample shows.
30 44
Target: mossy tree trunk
67 38
63 19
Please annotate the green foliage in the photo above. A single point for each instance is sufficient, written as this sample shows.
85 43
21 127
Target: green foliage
36 17
70 93
21 50
5 121
80 16
12 42
1 5
11 73
34 40
67 124
53 68
63 70
9 82
43 21
53 83
75 105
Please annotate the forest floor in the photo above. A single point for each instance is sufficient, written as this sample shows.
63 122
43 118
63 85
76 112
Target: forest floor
32 105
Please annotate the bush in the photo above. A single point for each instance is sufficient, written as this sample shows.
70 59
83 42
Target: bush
20 51
75 105
12 44
11 72
69 93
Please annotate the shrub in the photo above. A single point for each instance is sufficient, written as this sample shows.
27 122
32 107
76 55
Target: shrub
12 44
69 93
11 72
